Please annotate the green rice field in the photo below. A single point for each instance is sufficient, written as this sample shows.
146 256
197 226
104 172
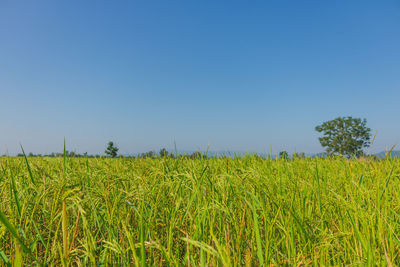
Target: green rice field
245 211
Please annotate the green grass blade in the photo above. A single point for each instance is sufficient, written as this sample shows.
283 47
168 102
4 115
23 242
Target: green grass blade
15 193
27 165
257 233
357 231
14 233
5 259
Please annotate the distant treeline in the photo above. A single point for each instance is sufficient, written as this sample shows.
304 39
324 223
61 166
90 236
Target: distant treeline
150 154
165 153
55 155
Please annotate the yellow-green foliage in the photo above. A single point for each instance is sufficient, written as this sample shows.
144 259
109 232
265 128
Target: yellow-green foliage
200 212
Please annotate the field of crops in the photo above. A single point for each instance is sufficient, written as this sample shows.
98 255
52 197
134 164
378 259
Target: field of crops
199 212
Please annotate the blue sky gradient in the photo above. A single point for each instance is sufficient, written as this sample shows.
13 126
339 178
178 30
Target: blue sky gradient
247 76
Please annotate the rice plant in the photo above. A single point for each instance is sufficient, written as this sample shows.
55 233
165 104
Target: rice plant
199 212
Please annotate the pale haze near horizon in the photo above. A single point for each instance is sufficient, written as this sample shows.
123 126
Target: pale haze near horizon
231 76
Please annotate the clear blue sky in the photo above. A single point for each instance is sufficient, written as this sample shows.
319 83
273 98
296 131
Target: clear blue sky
235 75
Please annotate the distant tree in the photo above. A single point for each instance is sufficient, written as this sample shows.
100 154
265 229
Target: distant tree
345 135
111 150
283 155
163 153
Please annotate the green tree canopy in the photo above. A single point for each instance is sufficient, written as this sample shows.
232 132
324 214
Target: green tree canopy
163 153
345 135
111 150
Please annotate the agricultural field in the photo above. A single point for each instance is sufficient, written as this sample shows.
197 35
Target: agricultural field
246 211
